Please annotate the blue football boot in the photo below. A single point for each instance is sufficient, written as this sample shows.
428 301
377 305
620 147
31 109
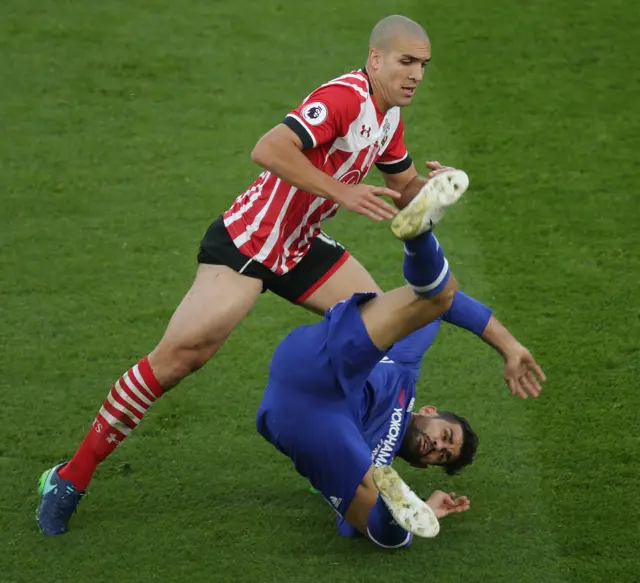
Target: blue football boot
58 501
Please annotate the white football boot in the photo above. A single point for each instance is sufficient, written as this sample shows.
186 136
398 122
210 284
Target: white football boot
407 509
428 206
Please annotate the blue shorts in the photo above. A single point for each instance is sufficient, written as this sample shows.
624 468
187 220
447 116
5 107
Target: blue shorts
310 410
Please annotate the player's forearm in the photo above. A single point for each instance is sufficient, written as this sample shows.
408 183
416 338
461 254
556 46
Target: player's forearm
468 313
413 187
288 163
497 336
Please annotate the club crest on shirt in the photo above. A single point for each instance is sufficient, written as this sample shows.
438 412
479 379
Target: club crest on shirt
314 113
385 133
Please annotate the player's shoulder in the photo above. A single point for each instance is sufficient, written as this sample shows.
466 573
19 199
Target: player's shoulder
355 82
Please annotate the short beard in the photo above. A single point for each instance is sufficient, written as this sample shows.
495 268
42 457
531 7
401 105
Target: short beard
408 451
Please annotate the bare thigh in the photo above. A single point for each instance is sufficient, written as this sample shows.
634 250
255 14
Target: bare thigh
349 279
217 302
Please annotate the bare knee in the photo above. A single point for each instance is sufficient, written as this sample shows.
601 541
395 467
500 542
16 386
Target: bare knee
442 301
171 363
445 297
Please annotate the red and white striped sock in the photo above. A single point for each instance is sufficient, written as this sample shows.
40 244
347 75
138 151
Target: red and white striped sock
127 402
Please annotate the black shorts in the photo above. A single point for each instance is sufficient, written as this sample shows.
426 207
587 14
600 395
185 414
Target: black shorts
322 260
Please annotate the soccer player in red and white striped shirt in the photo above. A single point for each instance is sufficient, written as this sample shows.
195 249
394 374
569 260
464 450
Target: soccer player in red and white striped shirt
271 239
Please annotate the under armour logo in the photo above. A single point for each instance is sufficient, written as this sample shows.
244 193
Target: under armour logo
365 130
113 438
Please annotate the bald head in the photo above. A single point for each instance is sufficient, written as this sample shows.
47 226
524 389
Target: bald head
399 51
391 29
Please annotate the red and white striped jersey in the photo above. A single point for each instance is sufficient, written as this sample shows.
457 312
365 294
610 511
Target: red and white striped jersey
343 134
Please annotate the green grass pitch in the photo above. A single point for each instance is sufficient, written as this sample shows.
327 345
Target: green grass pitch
126 126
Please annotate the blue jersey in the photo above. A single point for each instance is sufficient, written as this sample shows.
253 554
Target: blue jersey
335 404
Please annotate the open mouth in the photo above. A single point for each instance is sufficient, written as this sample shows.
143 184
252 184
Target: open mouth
409 90
426 447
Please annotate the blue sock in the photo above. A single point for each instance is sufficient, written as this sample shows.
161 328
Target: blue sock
384 531
425 267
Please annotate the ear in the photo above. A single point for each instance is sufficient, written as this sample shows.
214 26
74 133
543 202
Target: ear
374 59
428 411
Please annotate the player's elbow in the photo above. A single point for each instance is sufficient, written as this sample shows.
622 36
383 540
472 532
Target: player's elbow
261 153
276 147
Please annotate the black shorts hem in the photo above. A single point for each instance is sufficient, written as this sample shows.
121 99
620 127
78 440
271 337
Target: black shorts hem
322 259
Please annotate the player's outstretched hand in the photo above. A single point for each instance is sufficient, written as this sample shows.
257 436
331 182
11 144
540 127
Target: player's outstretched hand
443 504
522 373
365 200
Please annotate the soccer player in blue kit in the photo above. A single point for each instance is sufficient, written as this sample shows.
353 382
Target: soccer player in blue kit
340 395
